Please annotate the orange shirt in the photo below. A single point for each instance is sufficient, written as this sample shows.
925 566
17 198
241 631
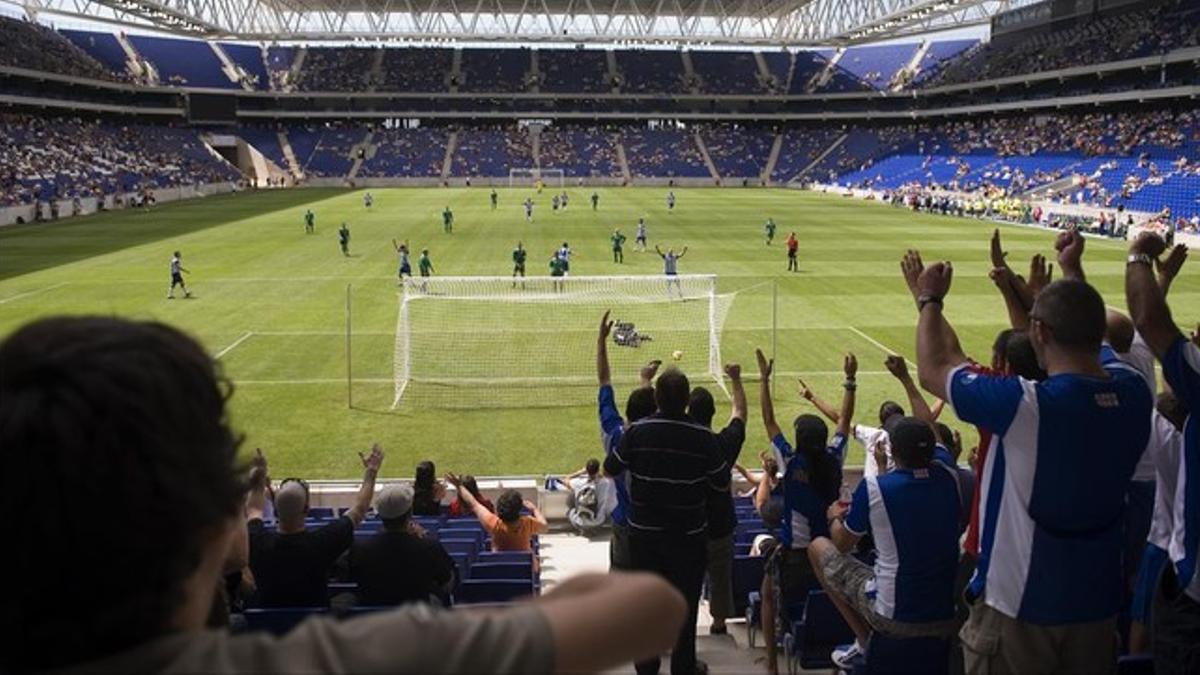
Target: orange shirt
515 537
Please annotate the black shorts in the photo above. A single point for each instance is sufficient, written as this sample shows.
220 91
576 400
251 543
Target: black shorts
519 268
641 240
176 279
792 254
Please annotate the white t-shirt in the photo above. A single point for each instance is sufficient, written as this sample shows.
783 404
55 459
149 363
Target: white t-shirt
1165 447
871 437
1142 359
606 501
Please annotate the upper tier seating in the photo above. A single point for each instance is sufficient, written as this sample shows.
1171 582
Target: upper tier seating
502 70
250 59
183 62
336 69
574 70
30 45
104 48
651 71
416 69
727 72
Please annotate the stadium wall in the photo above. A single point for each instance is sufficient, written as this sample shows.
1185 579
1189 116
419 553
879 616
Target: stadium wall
66 208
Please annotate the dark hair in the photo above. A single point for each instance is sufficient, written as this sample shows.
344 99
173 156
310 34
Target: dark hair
1074 313
946 437
824 471
425 476
912 443
592 466
888 409
1022 358
127 417
468 482
508 506
701 406
671 392
1000 348
640 404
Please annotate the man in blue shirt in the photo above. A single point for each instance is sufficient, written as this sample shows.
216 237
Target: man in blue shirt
612 427
1047 585
913 513
812 478
1176 613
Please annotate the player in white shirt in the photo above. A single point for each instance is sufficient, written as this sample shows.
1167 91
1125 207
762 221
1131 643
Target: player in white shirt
671 267
177 272
640 241
528 210
368 200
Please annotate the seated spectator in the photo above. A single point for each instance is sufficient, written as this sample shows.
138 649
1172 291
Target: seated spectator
292 564
459 508
914 513
148 400
510 531
428 492
591 499
400 564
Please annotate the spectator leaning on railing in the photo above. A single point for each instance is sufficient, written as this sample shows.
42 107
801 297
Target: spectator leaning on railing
130 417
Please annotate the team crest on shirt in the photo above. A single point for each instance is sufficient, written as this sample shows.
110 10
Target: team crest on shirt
1108 399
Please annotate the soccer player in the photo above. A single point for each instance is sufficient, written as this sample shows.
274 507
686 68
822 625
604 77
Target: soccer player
424 264
554 203
770 230
563 199
495 199
310 222
641 235
671 267
595 200
448 221
558 270
671 201
564 254
518 258
344 239
177 272
405 266
368 200
618 244
793 247
529 209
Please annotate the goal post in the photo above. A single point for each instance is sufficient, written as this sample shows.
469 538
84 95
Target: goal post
499 342
528 177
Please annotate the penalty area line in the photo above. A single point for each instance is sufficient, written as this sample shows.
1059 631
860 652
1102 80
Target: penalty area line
35 291
245 336
882 347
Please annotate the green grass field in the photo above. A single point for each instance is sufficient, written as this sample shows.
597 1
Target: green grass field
270 303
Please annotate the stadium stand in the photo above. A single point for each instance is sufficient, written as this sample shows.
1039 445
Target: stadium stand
266 141
574 70
183 62
663 152
580 151
25 44
874 67
736 151
252 60
502 70
491 152
808 64
800 148
336 69
406 152
416 69
330 155
779 64
727 72
103 47
650 71
279 62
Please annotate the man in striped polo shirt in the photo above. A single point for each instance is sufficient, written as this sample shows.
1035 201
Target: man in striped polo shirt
674 465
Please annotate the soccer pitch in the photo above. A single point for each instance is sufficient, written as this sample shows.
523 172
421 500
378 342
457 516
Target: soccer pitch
270 303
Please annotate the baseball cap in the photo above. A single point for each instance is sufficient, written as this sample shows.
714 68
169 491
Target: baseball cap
913 440
291 500
394 501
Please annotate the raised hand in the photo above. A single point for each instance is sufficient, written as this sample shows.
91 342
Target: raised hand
1041 274
1169 268
372 461
765 366
649 370
1070 252
1001 276
911 267
805 392
934 281
850 365
605 325
998 254
897 366
733 371
258 470
454 480
1148 243
530 506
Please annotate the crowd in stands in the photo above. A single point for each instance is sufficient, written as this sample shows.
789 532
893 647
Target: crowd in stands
1143 32
1017 549
66 158
416 152
336 69
580 151
28 44
415 69
738 151
484 151
663 152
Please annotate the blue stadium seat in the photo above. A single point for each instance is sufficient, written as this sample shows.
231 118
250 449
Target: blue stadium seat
448 532
279 621
747 577
321 512
475 591
462 561
466 546
820 629
502 570
1135 664
505 557
889 655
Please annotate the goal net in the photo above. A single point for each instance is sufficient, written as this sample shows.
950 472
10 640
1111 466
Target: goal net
530 177
492 342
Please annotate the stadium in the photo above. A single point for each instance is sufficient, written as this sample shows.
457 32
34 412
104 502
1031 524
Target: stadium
502 241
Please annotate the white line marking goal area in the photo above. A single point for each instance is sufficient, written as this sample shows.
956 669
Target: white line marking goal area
882 347
233 345
35 291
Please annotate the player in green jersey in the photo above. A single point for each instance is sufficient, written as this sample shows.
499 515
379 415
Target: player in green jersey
618 246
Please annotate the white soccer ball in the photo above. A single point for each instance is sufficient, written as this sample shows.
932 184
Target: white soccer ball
677 354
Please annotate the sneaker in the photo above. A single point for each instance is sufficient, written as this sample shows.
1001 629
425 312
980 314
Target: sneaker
170 297
843 656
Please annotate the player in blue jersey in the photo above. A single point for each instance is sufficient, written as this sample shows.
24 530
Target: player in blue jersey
1176 613
405 265
368 200
812 477
1053 486
671 201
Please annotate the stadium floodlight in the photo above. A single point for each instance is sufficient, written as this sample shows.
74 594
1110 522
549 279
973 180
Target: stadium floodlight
526 177
500 342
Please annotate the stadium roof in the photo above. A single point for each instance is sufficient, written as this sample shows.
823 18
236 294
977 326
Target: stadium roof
630 22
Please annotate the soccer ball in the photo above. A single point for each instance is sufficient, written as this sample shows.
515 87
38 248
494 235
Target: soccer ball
677 355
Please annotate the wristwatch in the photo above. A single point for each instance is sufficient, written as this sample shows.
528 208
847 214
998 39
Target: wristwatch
927 300
1139 258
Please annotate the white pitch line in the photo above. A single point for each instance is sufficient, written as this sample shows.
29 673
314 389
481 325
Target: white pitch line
223 352
35 291
320 332
884 348
324 380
